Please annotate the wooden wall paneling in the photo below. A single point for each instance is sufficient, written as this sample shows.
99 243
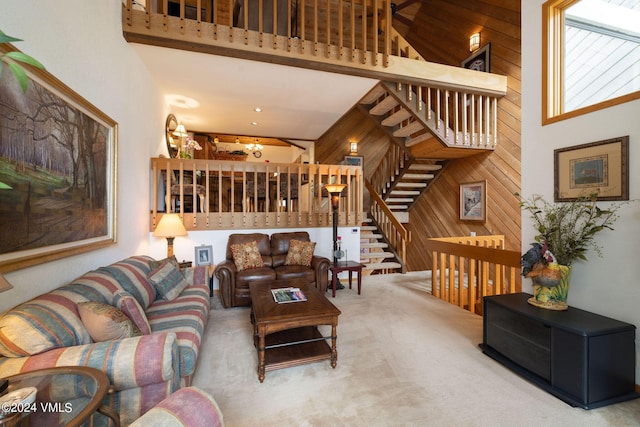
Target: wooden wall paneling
441 34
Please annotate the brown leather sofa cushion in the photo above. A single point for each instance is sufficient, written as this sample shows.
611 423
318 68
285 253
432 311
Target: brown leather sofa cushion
294 272
243 278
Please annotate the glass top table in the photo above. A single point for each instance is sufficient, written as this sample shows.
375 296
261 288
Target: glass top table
64 396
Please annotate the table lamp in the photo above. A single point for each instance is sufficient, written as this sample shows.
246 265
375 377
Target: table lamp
170 226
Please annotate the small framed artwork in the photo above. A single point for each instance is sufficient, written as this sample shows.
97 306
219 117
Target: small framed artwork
480 60
600 167
473 201
204 255
354 161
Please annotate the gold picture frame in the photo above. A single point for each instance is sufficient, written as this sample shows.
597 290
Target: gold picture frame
600 167
473 201
58 193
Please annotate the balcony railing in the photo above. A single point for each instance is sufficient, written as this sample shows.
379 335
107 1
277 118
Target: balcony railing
236 194
350 37
465 269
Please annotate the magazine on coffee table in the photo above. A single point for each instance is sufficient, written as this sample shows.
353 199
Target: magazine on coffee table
284 295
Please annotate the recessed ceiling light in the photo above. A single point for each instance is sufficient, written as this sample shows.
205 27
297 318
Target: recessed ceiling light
257 110
254 123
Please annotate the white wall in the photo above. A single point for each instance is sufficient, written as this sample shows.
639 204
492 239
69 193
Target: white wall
81 43
608 285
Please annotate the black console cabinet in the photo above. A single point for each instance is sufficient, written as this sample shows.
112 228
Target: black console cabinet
585 359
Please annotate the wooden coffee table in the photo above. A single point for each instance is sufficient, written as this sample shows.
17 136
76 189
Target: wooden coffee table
287 334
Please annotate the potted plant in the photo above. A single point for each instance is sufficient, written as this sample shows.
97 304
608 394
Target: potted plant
566 231
16 58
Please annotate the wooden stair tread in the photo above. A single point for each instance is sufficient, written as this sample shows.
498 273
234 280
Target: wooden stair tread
418 176
396 118
418 139
374 245
424 167
375 255
412 127
382 265
383 106
373 95
404 184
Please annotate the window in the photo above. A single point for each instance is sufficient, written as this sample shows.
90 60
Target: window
591 56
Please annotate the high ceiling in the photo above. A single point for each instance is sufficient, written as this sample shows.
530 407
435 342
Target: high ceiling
297 104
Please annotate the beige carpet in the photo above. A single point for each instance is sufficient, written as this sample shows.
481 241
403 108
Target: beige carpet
405 358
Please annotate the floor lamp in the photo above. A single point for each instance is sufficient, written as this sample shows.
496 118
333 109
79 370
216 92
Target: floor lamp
334 191
170 226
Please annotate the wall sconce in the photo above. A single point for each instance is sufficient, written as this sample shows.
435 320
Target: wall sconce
353 147
474 42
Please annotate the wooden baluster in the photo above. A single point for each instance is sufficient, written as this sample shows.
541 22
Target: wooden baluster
353 29
275 24
328 29
487 130
465 119
387 33
456 122
199 17
165 16
438 110
452 279
364 31
260 23
156 177
472 140
340 29
246 22
419 103
289 35
129 6
480 121
446 114
194 198
315 27
244 195
495 122
182 22
167 202
429 104
303 33
220 195
207 194
375 32
473 288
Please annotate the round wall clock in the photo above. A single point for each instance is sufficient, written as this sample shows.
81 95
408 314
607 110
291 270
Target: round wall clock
257 154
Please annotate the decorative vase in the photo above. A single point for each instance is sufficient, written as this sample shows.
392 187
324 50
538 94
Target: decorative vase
550 286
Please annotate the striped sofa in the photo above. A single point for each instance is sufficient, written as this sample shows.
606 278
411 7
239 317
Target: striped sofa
48 331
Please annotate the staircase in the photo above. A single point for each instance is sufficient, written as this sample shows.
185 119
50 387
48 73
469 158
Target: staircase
374 250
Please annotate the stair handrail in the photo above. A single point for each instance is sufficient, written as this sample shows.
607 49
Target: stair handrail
392 166
393 231
480 262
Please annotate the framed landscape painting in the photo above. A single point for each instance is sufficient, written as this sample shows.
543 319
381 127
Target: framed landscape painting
600 167
57 172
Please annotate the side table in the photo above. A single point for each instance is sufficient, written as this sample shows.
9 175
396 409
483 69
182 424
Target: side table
67 396
349 266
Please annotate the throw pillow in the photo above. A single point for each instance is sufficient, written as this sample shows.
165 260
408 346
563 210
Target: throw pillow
300 253
129 305
153 264
247 255
168 280
105 322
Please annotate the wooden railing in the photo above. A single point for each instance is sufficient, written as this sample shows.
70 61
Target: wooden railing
465 269
395 161
348 37
237 194
395 233
459 118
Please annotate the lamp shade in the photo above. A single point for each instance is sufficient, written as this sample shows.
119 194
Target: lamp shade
170 225
335 188
180 131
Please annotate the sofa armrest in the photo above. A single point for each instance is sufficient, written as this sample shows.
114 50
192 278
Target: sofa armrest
187 407
321 267
226 274
129 363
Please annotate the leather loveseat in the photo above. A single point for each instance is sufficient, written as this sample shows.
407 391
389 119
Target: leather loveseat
234 283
